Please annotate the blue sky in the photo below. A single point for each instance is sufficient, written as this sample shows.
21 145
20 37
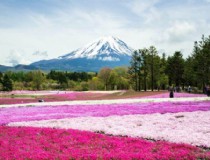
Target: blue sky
31 30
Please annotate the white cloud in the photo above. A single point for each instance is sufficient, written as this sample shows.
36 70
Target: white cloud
40 53
179 31
40 20
16 57
141 6
108 58
19 56
208 1
145 9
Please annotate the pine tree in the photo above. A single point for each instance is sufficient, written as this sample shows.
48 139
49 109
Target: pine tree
154 61
7 83
135 69
1 76
175 69
144 67
201 55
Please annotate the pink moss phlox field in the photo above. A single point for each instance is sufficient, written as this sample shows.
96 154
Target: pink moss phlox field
16 100
47 96
176 95
54 96
57 112
80 95
43 143
68 95
7 100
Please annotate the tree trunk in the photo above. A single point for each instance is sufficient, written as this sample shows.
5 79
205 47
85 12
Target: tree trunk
136 81
152 74
139 83
152 78
145 82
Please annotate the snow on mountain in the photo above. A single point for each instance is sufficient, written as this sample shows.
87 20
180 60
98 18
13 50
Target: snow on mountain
105 49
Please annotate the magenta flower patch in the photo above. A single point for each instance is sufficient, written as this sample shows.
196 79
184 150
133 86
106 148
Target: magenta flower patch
43 143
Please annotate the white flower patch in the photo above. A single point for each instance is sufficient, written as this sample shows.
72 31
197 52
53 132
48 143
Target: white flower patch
184 127
106 92
114 101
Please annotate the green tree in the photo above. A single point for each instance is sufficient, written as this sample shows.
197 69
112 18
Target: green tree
16 76
95 84
63 80
154 65
189 72
162 78
84 86
38 79
113 79
121 78
7 83
201 56
175 69
135 68
1 76
71 84
104 75
145 64
145 67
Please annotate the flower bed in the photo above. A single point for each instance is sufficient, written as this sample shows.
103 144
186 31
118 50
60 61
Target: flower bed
19 97
16 100
65 111
39 143
173 127
176 95
181 120
58 102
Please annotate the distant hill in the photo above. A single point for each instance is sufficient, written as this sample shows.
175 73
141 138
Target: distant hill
25 67
19 67
4 68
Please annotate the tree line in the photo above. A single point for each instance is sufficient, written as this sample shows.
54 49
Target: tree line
105 79
147 71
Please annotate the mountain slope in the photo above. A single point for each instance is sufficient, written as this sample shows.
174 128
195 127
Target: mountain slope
4 68
108 51
105 47
19 67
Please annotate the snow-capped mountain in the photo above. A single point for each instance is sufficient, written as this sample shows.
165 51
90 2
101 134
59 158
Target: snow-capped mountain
105 49
105 52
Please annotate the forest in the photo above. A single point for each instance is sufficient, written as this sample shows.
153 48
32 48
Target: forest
147 71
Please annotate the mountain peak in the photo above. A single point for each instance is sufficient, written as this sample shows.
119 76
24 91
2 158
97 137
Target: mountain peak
106 51
109 38
107 48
